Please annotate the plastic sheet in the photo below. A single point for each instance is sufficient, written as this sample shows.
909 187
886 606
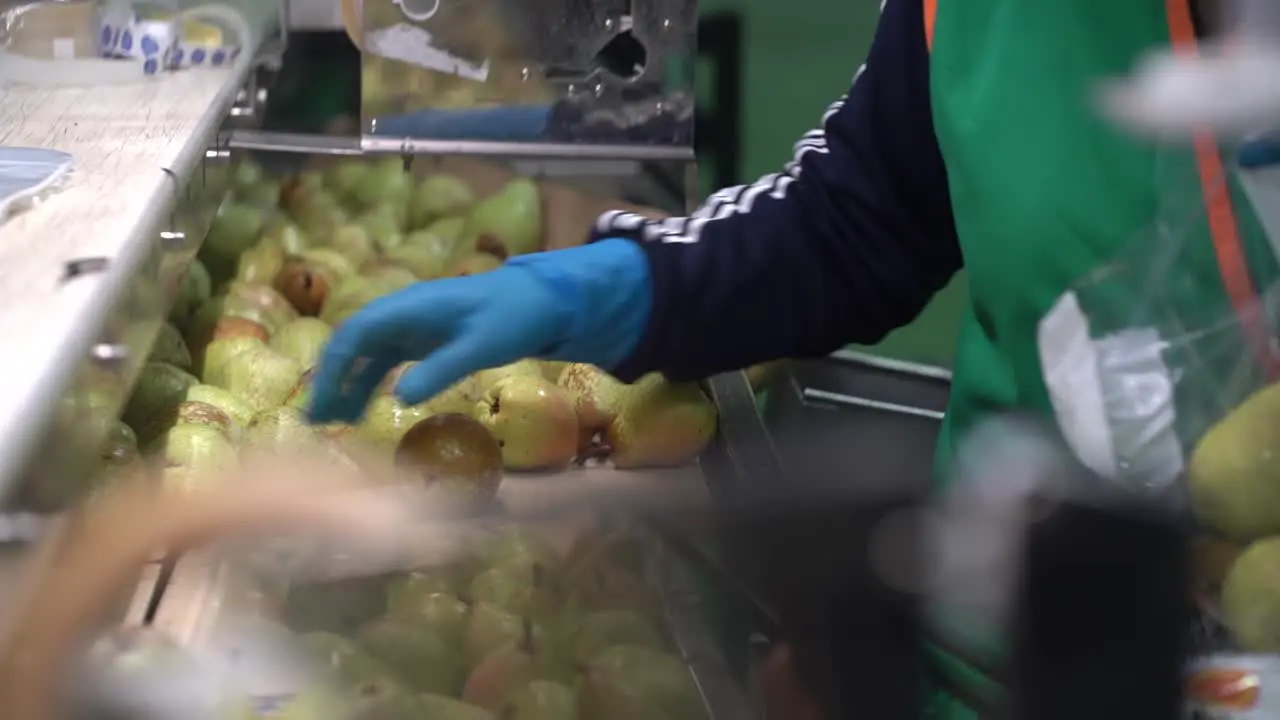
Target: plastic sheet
30 175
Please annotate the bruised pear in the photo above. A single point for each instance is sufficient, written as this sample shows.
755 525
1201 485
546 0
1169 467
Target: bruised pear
258 302
597 396
533 420
660 424
489 377
199 413
202 448
223 400
303 340
305 285
453 451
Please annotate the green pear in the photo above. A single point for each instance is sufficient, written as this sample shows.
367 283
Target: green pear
153 406
515 546
1248 601
488 628
386 182
284 233
460 398
264 194
660 424
344 176
260 264
422 660
261 377
419 262
235 228
439 613
527 590
345 300
245 174
489 377
448 231
387 420
194 290
320 218
345 660
353 242
508 668
533 420
119 447
384 226
169 347
626 682
335 263
437 196
261 303
303 340
511 218
390 275
224 400
541 700
219 354
202 448
408 589
340 607
604 629
279 428
439 707
1233 471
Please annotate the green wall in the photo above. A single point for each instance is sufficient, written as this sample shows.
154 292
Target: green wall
799 58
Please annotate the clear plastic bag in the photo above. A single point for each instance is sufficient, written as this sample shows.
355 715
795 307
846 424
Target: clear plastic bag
28 176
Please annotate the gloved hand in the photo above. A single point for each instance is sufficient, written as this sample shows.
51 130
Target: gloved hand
586 304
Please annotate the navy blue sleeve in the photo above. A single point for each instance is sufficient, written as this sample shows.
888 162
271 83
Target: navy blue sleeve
847 243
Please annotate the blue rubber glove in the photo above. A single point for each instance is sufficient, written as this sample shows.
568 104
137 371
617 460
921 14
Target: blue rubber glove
586 304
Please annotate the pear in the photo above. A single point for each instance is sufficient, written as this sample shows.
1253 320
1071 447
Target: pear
320 218
459 398
439 613
219 354
437 196
406 591
223 328
387 420
169 347
336 607
385 182
202 448
344 660
1233 471
153 406
488 628
305 285
264 194
353 242
533 420
261 377
512 218
439 243
222 399
553 369
632 683
198 413
660 424
473 263
283 233
527 590
279 428
597 397
117 455
300 397
489 377
421 660
518 546
194 290
235 228
260 264
119 447
601 587
383 226
345 300
1211 559
507 669
447 231
454 452
438 707
1248 602
541 700
335 264
344 176
421 263
602 630
303 340
260 303
297 191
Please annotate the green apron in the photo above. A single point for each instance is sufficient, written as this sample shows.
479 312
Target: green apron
1039 181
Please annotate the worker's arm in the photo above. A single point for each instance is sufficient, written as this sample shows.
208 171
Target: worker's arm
847 243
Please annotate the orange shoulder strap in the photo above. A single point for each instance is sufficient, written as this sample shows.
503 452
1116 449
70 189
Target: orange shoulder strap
1232 263
930 19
